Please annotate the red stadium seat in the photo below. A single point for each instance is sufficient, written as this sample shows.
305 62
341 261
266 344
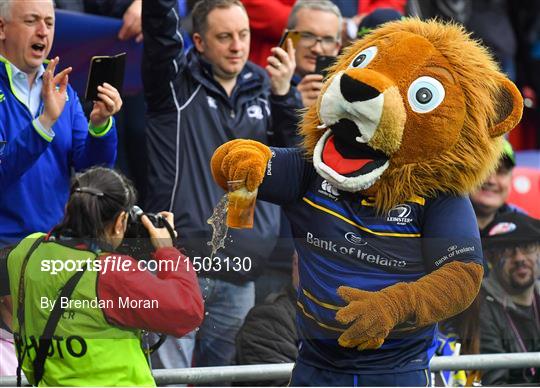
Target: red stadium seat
525 190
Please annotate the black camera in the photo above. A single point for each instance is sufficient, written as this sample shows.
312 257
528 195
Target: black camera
136 241
135 227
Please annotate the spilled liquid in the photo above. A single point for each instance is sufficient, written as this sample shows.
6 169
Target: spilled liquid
219 225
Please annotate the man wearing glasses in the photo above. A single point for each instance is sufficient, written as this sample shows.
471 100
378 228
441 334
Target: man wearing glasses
510 308
318 25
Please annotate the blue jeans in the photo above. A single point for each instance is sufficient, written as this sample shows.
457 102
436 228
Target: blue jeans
304 375
213 344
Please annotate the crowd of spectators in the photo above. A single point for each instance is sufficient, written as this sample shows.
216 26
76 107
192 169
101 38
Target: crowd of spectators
511 245
197 99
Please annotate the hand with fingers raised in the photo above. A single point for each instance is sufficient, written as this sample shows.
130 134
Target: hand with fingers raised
108 104
53 93
240 160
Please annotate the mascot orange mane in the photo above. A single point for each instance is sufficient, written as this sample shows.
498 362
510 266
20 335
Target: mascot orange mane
409 121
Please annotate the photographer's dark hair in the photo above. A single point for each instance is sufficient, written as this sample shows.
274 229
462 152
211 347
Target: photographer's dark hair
97 197
202 8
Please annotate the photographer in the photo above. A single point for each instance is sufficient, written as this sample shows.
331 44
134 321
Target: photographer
88 315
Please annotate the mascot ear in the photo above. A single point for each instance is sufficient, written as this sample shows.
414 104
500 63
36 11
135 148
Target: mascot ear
508 108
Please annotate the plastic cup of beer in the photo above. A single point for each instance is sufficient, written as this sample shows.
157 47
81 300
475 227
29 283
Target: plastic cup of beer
241 208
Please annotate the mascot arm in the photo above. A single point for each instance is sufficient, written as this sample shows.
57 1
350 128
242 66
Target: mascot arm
240 160
434 297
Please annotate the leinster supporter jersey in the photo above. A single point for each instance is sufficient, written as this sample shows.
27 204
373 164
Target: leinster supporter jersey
342 241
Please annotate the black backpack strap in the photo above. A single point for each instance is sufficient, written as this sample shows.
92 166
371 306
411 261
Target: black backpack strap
152 348
46 338
20 309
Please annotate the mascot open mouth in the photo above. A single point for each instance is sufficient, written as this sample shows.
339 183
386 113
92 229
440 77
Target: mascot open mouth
343 159
351 112
348 157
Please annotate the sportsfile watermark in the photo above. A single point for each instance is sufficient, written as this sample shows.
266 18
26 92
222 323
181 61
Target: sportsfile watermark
114 263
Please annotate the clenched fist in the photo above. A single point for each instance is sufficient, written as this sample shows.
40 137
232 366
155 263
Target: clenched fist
372 317
240 160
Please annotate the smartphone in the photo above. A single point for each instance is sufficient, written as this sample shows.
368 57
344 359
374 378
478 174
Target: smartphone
289 34
108 69
322 63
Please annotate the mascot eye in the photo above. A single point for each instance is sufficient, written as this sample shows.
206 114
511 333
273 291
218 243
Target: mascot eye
425 94
364 58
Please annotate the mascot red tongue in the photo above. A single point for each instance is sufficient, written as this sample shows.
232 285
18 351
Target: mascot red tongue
389 239
344 166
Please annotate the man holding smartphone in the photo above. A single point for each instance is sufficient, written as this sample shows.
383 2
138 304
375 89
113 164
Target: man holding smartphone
43 126
318 24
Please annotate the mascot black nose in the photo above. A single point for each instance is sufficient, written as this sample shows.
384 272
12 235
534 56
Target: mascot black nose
354 90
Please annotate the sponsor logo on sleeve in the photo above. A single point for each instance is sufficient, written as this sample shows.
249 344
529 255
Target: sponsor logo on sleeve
269 165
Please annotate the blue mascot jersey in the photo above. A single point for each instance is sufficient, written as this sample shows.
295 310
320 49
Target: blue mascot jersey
341 240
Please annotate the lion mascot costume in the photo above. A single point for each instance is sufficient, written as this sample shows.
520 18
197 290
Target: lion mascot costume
408 122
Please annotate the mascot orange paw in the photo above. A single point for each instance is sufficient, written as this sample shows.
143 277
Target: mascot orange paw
417 304
372 319
240 160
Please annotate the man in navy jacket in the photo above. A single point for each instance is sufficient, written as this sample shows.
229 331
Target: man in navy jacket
197 102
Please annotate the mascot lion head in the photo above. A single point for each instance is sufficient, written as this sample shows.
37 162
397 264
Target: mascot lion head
413 109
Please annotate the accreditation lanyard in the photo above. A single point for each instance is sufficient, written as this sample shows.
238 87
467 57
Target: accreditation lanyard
536 317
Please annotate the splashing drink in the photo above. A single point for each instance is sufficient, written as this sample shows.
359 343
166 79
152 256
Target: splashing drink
241 208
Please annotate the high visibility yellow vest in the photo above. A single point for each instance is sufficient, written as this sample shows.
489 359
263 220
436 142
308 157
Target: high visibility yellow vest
86 350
